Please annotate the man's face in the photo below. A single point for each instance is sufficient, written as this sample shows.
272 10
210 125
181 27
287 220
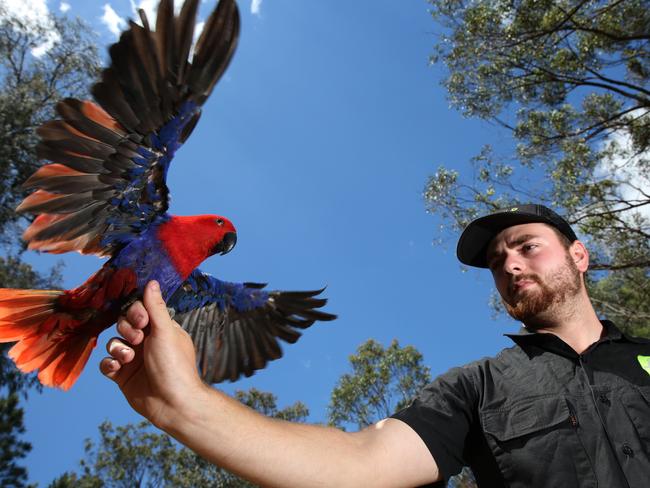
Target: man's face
532 270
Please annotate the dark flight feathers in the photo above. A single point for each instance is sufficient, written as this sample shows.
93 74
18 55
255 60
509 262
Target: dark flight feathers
236 327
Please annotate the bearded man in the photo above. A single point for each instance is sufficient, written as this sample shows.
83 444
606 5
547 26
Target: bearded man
567 406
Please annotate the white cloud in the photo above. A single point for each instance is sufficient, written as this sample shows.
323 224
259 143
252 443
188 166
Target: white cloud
256 5
50 41
150 8
34 15
31 12
64 7
630 170
110 19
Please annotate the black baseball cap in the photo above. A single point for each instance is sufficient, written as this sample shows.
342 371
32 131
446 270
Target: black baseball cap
475 239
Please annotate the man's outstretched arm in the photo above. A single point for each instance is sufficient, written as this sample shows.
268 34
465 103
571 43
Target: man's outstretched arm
155 367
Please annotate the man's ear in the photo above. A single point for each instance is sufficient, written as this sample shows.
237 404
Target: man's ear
580 255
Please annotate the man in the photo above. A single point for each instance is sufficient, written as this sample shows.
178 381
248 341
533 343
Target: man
567 405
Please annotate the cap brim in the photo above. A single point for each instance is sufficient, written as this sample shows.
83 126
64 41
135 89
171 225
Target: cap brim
475 239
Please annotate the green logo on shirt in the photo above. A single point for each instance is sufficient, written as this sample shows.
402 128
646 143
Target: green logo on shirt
644 361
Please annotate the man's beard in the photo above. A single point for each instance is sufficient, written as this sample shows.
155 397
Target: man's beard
555 288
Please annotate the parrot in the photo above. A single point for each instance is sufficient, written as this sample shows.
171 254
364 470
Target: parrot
103 192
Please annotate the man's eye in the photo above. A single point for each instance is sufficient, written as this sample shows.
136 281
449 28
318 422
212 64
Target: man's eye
529 247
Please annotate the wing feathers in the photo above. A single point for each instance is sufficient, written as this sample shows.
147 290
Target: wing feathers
214 49
108 94
40 201
77 162
184 35
91 120
236 328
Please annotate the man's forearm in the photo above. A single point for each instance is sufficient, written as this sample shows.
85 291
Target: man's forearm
273 452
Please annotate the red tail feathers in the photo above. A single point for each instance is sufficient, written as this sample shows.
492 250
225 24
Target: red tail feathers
57 330
48 340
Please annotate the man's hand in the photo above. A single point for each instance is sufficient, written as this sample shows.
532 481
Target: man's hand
154 362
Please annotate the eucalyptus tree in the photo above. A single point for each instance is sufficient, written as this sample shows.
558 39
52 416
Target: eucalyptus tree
570 81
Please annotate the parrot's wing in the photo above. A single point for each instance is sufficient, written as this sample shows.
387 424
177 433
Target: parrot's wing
235 327
107 183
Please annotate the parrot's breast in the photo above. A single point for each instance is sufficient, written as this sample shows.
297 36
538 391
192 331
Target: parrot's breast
147 257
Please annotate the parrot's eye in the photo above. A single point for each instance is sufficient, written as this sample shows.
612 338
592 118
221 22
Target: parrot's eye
219 222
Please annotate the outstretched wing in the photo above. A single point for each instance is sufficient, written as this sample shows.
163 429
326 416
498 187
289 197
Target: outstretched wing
236 326
110 158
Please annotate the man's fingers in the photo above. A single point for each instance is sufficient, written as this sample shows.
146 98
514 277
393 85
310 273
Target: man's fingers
132 334
137 315
120 351
155 305
124 360
132 324
110 368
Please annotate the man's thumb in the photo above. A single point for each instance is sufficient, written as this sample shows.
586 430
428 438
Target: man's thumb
155 305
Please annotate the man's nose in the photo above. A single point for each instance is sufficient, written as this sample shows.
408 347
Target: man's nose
513 265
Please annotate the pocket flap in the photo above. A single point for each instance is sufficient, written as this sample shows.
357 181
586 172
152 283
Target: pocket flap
525 417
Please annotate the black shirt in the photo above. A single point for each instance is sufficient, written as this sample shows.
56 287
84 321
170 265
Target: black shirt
540 415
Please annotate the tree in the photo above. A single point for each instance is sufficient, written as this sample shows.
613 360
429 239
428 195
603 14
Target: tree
12 448
570 80
266 404
38 65
383 380
137 455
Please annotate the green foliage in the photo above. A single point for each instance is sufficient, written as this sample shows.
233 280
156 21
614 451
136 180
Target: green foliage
14 273
71 480
266 404
570 80
137 455
623 297
30 86
383 380
11 447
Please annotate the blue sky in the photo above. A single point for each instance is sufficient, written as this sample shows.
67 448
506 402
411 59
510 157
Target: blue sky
317 144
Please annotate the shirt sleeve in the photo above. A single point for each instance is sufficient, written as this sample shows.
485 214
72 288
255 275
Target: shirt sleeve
443 415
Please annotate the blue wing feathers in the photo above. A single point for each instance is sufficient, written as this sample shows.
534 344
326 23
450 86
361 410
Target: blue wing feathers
202 289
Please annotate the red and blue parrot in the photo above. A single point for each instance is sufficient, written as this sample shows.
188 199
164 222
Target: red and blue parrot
104 193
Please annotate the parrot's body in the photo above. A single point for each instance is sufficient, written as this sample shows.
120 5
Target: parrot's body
105 194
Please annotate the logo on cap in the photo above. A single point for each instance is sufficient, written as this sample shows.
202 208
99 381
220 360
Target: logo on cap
514 209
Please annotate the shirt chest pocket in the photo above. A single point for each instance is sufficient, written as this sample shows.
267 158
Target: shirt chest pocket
534 440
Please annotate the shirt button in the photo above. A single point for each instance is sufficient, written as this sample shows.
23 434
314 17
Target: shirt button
627 450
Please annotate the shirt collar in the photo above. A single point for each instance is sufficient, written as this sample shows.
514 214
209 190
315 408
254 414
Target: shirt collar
553 343
611 332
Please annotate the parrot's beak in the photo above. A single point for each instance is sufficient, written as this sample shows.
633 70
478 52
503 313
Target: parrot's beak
226 244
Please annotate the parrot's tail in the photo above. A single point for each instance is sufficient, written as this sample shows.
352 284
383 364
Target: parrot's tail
48 340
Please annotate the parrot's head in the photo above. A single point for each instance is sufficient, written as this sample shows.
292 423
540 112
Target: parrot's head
225 235
190 240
